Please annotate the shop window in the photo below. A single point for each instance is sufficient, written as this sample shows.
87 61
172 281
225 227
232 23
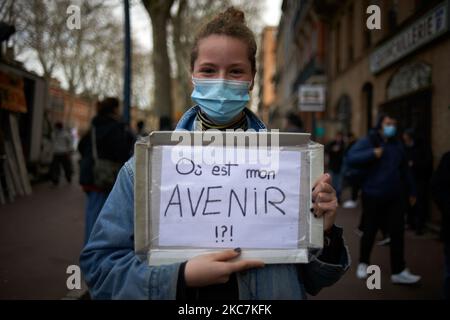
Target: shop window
409 78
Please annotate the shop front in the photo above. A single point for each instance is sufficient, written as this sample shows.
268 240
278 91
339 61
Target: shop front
409 99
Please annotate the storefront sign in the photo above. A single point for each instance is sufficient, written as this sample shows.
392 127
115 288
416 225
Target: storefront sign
312 98
12 96
424 30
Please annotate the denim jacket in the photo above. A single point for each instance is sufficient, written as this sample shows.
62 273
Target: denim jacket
113 271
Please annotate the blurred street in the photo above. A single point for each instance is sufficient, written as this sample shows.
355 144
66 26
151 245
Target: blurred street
42 234
423 257
82 81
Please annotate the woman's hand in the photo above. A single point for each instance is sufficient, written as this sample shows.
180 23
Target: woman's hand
324 201
215 268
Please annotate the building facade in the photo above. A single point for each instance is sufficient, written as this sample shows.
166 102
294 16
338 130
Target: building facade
72 110
402 69
266 72
301 61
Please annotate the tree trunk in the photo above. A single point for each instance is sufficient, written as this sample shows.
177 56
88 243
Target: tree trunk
159 11
68 122
183 75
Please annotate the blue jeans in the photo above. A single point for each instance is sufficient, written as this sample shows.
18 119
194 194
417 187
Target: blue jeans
94 204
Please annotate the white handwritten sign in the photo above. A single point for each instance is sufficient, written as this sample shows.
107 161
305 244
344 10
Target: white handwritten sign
228 204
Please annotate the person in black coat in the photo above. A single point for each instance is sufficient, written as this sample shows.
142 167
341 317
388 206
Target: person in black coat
114 142
386 174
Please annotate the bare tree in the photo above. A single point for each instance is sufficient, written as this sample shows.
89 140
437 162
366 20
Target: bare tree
159 11
101 73
84 49
86 59
142 78
40 28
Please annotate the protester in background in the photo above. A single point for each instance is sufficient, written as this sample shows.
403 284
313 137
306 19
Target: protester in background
335 150
354 186
387 171
113 142
440 191
141 132
293 123
420 161
62 150
223 65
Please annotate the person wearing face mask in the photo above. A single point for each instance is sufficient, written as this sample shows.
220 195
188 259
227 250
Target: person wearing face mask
383 188
223 65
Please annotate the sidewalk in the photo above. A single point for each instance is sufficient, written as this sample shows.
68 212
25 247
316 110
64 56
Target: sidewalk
424 257
41 235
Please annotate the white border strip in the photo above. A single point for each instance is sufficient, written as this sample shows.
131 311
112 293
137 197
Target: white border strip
158 257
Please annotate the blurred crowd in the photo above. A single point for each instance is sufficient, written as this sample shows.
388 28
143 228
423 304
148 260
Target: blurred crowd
391 172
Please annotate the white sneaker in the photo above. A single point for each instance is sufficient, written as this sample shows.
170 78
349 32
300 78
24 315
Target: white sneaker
361 271
384 242
405 277
359 233
349 204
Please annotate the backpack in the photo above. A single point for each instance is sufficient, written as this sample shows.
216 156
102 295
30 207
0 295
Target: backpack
104 171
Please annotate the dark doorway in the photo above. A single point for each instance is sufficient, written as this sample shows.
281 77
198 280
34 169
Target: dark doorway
412 111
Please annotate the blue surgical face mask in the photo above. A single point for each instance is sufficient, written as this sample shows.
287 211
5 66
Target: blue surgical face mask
222 100
389 131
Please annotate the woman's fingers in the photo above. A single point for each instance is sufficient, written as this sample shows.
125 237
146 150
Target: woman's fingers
242 265
235 266
323 207
326 178
324 197
324 200
323 186
224 255
322 190
215 267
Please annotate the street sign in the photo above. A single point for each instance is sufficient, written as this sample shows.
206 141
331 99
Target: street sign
312 98
424 30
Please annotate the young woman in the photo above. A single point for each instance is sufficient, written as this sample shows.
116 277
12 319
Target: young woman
223 71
